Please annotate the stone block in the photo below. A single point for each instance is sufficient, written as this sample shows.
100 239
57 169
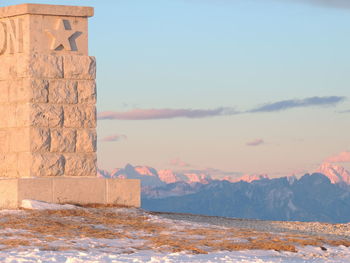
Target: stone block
79 67
69 190
38 90
22 115
24 164
48 164
4 116
124 192
8 193
46 115
87 91
17 91
40 189
20 140
28 90
79 190
86 140
50 10
80 116
80 165
7 67
63 140
63 91
8 164
4 141
4 91
40 139
40 66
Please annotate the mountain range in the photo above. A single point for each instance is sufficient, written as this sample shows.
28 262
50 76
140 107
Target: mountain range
321 196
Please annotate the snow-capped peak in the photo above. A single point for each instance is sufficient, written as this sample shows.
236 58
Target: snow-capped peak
167 176
247 178
144 170
336 174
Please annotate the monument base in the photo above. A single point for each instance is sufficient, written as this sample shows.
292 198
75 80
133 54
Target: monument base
70 190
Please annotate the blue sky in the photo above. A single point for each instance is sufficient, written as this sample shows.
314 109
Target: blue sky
192 56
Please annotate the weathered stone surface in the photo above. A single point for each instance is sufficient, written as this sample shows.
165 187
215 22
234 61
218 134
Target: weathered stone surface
79 67
8 165
51 10
63 91
4 116
4 94
22 115
24 164
8 193
69 190
40 66
80 116
47 95
38 90
8 67
86 190
48 164
20 140
4 141
87 91
40 189
124 192
28 90
86 140
46 115
63 140
80 165
16 91
40 139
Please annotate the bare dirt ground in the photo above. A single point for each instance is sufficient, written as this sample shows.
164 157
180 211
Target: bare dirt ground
135 230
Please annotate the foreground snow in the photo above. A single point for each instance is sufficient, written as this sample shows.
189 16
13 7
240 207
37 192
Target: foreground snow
312 255
39 205
79 246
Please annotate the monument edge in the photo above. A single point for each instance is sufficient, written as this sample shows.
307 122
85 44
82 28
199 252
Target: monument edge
44 9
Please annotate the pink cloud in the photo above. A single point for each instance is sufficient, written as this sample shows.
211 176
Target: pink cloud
343 157
114 138
154 114
255 142
179 163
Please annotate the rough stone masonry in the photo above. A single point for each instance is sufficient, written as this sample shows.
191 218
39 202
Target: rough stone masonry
47 95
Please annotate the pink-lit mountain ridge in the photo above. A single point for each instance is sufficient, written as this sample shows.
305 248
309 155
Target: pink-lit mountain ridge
151 177
321 196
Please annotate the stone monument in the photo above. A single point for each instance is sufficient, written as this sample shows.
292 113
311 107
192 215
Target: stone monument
48 110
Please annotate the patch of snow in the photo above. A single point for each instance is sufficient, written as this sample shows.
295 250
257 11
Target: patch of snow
144 170
40 205
249 256
336 174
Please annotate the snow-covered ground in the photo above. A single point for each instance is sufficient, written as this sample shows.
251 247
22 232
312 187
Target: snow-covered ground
307 255
99 235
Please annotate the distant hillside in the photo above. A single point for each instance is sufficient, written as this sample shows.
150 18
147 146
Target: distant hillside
322 196
311 198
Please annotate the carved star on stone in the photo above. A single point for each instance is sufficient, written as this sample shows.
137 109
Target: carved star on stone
63 37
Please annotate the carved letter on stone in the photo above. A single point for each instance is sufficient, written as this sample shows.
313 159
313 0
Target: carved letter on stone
15 36
3 38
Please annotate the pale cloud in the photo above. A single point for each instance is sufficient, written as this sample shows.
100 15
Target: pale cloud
298 103
114 138
157 114
343 157
255 142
